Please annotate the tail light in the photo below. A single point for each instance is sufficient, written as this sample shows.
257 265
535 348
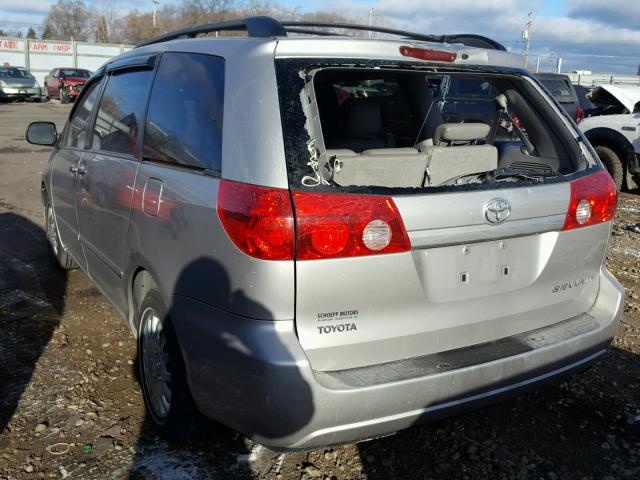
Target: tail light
331 225
593 200
579 114
260 222
428 54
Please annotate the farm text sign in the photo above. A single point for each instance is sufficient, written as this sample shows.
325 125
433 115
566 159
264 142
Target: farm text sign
50 47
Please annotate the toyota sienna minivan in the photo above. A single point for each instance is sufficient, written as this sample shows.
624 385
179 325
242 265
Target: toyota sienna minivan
310 249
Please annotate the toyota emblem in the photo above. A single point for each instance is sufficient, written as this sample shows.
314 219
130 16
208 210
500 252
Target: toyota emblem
497 210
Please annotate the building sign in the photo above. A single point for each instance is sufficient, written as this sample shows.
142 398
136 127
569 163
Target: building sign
50 47
36 47
11 44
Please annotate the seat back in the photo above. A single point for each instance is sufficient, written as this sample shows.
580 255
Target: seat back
387 167
445 163
364 128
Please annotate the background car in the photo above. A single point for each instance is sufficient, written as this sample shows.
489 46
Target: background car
612 128
16 83
562 89
65 83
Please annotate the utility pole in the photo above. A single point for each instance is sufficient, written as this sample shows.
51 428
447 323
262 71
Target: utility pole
526 36
155 19
370 19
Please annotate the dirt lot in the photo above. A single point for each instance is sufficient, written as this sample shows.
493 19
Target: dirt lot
70 406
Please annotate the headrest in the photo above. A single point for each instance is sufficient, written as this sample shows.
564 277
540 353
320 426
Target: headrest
460 132
364 118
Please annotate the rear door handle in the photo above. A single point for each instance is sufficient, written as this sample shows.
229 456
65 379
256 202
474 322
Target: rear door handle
78 170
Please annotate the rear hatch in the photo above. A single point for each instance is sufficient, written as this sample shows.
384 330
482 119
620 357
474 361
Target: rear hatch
474 259
464 281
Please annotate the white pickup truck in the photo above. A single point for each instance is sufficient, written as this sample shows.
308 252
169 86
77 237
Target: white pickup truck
613 128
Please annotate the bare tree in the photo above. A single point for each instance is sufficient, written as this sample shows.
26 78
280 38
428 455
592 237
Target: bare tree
102 33
69 18
136 26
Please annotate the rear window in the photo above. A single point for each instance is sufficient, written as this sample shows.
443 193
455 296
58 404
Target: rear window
353 127
73 72
13 72
559 88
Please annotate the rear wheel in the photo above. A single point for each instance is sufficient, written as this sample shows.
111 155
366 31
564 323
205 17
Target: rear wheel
162 372
612 163
64 96
59 255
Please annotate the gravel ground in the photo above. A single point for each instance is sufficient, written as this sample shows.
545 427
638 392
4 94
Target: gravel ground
70 405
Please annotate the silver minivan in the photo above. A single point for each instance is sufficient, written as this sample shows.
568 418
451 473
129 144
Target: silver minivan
316 242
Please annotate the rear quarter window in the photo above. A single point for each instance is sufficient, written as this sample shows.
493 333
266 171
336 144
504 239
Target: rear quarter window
184 121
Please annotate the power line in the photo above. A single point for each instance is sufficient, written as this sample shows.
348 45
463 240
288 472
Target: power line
526 36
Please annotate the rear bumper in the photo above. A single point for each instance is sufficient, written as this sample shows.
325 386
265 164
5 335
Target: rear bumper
254 376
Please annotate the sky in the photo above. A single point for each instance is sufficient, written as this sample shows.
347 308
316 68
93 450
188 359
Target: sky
598 35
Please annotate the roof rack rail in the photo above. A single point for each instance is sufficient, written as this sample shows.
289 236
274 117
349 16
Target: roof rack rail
469 40
258 26
266 27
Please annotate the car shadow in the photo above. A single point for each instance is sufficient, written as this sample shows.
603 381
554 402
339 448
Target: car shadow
582 426
229 383
32 301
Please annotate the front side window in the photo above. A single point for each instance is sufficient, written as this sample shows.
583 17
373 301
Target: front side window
79 123
121 111
184 122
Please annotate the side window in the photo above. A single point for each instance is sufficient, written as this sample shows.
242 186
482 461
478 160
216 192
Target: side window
184 121
79 123
121 111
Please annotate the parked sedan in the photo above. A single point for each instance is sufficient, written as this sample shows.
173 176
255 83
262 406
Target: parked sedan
17 82
65 83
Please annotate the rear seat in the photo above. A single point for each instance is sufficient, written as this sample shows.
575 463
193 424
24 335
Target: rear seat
451 153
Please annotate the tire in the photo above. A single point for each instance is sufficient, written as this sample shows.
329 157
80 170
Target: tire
37 99
64 97
59 255
612 163
162 372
